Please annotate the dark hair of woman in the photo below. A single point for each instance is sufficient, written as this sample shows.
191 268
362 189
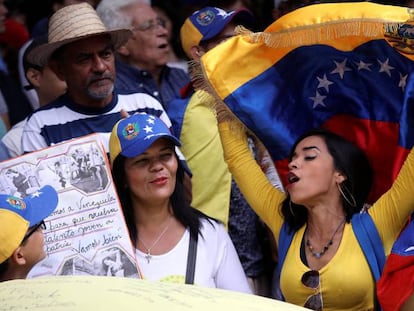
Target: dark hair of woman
351 162
186 215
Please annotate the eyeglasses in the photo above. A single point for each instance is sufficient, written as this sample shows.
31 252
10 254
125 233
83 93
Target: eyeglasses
33 229
311 279
150 25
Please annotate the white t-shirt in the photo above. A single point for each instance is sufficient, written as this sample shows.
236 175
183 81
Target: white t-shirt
13 138
217 263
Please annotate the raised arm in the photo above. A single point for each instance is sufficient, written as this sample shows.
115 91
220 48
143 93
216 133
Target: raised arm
256 188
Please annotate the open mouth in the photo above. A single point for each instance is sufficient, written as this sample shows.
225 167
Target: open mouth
292 178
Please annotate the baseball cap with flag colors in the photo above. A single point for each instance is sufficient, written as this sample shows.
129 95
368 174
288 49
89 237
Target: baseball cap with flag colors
17 215
208 22
131 136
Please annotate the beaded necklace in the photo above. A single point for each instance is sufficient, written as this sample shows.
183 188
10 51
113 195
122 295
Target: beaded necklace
326 247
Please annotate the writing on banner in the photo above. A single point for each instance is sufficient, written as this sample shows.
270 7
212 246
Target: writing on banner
86 234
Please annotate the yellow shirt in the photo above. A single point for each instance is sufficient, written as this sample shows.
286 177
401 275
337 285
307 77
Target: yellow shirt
201 146
346 281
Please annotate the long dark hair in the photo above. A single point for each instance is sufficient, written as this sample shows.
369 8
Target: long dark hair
186 215
351 162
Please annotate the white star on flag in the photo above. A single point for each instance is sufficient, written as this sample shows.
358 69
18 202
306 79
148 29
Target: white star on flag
363 65
318 100
341 68
403 81
324 83
385 67
408 249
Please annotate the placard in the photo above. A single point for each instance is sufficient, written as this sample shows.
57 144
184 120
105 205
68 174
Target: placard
86 234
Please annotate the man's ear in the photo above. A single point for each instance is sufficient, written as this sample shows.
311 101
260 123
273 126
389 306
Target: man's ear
18 256
123 51
196 52
33 76
55 66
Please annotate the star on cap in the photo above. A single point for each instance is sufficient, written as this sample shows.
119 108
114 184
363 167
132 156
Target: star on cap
150 120
223 13
147 129
36 194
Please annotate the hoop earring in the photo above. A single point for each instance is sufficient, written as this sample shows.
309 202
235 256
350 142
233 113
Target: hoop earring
291 209
349 198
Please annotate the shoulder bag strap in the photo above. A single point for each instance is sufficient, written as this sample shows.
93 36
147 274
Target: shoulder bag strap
285 239
191 258
371 245
370 242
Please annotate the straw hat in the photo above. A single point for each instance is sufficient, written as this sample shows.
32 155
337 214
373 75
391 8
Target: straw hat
73 23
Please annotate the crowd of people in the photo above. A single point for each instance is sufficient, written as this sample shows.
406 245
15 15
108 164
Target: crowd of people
184 190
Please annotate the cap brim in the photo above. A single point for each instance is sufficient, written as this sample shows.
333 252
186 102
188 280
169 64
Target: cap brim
42 203
140 146
41 54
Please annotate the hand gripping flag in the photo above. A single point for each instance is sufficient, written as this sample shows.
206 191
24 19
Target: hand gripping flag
342 66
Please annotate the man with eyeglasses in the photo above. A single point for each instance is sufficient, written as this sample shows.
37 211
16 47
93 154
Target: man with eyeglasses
21 236
143 58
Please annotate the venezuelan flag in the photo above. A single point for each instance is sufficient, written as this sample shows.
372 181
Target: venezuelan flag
397 280
342 66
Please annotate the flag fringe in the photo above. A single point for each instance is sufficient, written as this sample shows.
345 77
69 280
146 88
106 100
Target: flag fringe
221 111
316 34
299 36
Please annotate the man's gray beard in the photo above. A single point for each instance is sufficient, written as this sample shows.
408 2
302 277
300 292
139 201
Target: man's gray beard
98 95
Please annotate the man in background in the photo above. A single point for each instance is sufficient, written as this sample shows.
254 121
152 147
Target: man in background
143 58
47 87
214 191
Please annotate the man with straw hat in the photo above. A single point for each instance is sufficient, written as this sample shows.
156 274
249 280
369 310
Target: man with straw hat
80 50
